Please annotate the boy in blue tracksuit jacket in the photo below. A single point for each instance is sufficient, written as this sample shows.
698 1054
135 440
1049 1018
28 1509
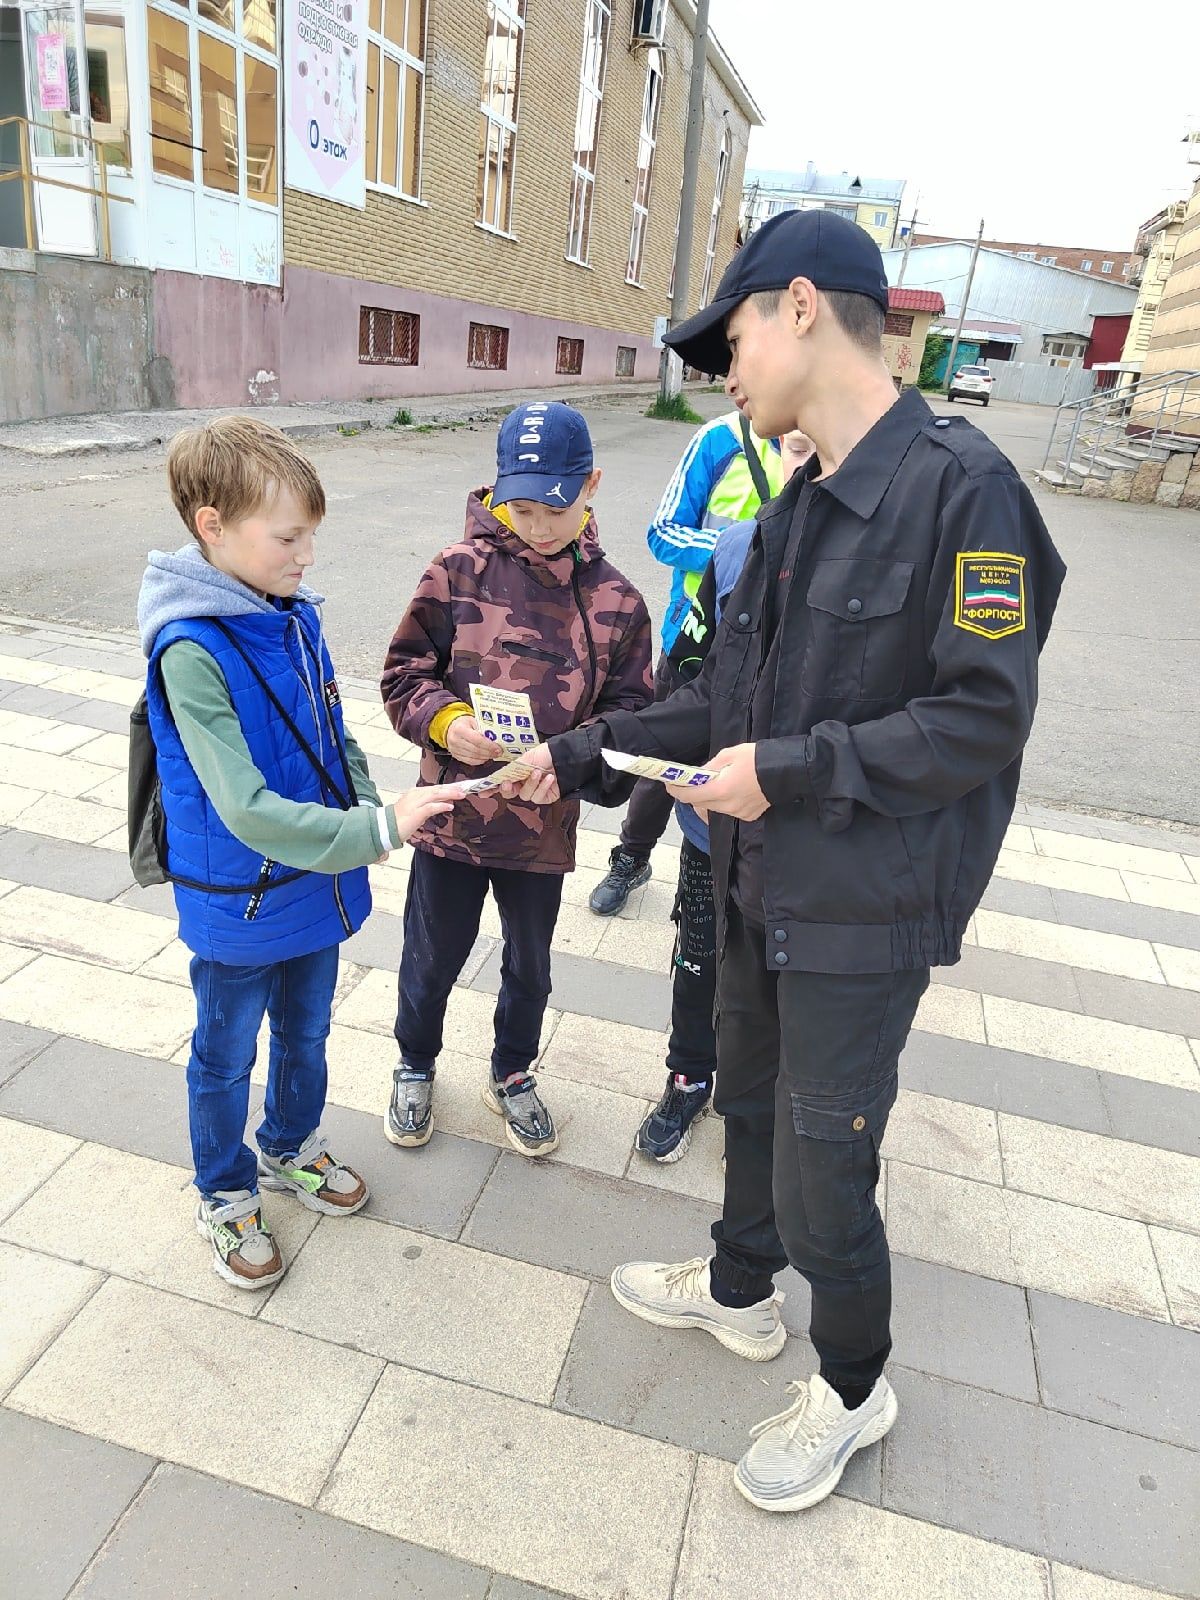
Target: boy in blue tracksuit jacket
692 1048
725 475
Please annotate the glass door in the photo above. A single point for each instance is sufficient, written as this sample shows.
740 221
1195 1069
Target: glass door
56 69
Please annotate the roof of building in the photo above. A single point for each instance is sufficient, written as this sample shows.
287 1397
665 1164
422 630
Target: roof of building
916 300
810 181
721 60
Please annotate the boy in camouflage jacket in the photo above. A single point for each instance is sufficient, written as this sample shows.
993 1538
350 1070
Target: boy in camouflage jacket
526 601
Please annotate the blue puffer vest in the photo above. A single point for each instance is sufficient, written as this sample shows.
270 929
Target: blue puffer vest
269 912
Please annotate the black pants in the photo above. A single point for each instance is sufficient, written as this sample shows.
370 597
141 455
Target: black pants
650 805
441 921
806 1077
692 1047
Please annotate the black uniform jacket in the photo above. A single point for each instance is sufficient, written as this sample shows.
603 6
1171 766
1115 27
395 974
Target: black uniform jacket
920 596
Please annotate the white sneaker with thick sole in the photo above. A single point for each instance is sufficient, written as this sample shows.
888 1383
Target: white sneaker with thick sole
679 1297
798 1457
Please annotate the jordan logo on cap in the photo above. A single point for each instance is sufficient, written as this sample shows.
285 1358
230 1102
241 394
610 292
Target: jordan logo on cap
557 490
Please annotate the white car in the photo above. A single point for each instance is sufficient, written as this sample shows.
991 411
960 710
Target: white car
971 383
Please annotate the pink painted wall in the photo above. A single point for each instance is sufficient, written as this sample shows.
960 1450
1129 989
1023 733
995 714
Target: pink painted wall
217 340
319 345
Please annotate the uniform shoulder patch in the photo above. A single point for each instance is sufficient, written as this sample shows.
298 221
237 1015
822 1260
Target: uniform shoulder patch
989 593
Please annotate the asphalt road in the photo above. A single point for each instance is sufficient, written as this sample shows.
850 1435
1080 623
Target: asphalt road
1118 727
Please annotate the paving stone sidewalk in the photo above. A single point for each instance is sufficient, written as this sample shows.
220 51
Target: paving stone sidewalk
441 1399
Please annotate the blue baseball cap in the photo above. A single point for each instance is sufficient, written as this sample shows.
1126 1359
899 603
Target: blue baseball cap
543 452
819 245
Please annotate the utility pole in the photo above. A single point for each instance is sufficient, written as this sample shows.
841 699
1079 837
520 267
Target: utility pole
962 315
670 372
913 224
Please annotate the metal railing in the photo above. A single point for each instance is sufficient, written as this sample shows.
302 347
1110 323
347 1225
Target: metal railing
1115 429
27 177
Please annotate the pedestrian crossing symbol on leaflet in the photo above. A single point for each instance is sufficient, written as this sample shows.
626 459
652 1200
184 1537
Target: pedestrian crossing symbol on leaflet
989 593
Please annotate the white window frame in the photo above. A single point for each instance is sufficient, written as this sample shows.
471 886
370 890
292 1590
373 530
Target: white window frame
597 24
1106 267
513 13
882 218
187 12
652 96
714 224
395 52
1048 261
1086 265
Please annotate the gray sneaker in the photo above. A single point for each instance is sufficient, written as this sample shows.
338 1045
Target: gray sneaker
408 1120
243 1250
315 1178
530 1126
798 1457
679 1297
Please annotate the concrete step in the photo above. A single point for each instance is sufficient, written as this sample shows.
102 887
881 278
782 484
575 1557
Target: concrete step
1085 467
1140 453
1056 480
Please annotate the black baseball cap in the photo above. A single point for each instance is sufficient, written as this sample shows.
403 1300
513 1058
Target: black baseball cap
819 245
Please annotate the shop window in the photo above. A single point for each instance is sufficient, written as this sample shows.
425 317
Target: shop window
218 115
587 129
898 322
108 86
498 112
261 120
170 95
395 95
570 357
388 338
259 24
626 360
487 347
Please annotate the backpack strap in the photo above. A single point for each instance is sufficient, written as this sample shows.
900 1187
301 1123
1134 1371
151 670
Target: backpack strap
327 783
754 461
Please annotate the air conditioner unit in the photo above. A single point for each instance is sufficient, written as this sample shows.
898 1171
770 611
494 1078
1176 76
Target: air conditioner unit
649 23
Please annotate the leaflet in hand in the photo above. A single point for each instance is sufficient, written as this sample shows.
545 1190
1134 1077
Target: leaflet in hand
505 716
663 771
515 772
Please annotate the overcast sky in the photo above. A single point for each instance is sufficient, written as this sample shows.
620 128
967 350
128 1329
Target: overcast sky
1055 124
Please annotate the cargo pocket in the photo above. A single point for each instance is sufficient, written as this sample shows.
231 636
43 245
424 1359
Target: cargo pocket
858 629
837 1147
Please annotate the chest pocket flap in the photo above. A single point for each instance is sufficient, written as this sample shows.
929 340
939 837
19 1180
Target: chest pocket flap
860 588
857 629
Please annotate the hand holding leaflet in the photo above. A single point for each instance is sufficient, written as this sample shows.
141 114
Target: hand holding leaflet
669 772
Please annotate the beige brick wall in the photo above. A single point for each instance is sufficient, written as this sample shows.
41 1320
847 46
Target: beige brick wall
437 246
1175 340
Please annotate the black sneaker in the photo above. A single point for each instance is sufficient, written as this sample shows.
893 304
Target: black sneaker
667 1131
408 1120
626 872
531 1128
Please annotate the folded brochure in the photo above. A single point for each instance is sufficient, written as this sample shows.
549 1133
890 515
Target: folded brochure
663 771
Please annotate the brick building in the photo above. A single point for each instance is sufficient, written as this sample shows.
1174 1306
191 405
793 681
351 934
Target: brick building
1116 264
324 199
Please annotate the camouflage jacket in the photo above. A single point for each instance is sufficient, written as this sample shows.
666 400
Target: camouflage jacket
568 630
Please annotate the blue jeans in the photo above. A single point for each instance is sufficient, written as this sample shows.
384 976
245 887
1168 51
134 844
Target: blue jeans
230 1004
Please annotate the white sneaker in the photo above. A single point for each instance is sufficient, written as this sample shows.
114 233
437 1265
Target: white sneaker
679 1297
798 1457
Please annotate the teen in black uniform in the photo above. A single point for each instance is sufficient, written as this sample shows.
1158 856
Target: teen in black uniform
868 697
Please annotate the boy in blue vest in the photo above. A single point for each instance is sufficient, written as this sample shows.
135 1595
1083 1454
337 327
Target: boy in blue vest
271 821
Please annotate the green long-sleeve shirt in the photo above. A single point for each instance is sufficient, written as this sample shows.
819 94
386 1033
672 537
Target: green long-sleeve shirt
298 833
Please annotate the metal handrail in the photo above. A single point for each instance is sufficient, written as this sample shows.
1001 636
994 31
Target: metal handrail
1164 385
29 177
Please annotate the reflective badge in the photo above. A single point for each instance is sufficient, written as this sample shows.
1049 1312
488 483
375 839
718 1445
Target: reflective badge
989 593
